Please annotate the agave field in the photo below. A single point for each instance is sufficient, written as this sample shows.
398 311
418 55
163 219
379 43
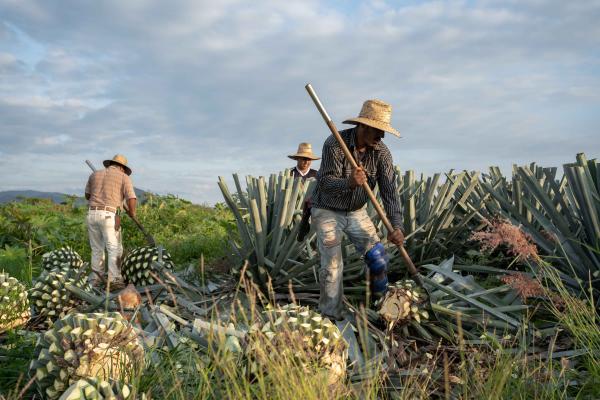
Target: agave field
225 307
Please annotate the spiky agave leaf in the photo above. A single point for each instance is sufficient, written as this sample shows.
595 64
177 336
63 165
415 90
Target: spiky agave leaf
97 345
267 216
63 258
50 297
301 334
138 268
14 304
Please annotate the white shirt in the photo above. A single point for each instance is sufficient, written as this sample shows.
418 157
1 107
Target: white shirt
303 173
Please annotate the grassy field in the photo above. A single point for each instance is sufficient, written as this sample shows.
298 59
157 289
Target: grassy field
462 368
33 227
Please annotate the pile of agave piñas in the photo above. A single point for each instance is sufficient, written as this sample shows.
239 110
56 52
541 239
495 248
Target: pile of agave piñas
80 356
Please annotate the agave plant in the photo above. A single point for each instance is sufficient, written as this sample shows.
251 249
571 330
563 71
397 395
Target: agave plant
436 219
561 214
456 298
267 217
438 213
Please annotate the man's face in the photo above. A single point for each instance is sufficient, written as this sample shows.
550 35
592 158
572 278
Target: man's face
371 135
303 163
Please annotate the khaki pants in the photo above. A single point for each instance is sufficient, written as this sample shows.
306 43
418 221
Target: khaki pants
102 234
330 226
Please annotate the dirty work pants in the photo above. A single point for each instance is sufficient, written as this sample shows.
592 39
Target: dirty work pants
101 230
330 226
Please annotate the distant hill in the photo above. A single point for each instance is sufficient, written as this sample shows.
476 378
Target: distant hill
12 195
15 195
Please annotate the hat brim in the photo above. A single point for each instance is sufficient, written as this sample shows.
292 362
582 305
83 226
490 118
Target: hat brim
106 164
374 124
303 155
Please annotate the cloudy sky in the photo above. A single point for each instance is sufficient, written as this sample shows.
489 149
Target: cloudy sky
190 90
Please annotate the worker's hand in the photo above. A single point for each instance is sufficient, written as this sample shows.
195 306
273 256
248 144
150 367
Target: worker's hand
357 177
396 237
117 222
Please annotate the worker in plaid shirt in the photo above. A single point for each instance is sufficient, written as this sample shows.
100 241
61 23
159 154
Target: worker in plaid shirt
105 191
339 203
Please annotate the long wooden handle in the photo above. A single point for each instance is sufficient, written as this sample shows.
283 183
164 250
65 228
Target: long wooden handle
149 237
411 267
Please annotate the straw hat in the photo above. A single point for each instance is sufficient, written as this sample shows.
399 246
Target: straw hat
304 151
377 114
121 160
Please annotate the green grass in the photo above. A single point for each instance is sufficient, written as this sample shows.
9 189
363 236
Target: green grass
32 227
579 317
16 352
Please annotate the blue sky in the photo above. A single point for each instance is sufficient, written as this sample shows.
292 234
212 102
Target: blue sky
190 90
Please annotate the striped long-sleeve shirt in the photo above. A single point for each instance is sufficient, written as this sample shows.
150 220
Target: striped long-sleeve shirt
333 191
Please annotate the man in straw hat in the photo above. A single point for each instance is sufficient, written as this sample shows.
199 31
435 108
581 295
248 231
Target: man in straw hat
304 157
105 191
339 203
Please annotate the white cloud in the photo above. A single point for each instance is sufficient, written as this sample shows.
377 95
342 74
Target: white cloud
53 140
190 90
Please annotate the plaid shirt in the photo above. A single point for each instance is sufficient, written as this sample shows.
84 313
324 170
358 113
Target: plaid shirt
333 190
109 187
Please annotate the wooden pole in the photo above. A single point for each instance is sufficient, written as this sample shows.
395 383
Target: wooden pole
411 267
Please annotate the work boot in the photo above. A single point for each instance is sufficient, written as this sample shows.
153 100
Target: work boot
116 284
97 280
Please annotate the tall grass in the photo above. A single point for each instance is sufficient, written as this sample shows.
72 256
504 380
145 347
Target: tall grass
218 370
579 316
491 371
17 263
212 370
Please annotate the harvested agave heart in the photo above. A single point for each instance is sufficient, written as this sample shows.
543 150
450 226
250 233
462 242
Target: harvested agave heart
50 297
404 301
302 334
94 388
137 267
96 345
64 258
14 304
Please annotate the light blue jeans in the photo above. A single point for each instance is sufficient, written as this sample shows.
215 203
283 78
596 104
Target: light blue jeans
330 227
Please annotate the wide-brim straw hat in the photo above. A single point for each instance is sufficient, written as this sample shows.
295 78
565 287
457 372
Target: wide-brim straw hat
377 114
304 151
119 159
